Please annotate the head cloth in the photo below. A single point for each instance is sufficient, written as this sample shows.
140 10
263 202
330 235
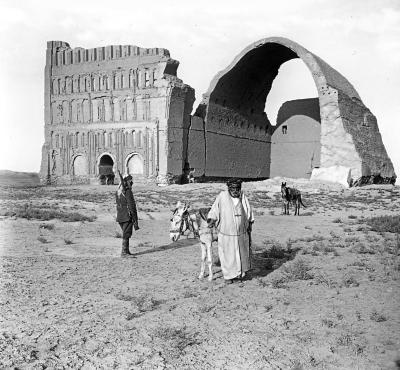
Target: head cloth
234 183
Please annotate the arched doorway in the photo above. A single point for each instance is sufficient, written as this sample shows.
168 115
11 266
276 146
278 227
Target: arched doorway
106 172
134 165
80 167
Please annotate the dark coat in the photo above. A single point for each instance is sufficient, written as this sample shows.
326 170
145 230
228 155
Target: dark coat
126 207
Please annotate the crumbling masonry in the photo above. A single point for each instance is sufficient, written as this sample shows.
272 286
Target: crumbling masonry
124 108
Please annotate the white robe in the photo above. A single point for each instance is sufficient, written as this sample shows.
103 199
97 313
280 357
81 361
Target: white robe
233 240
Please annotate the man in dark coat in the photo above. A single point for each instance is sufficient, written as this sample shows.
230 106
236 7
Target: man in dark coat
126 212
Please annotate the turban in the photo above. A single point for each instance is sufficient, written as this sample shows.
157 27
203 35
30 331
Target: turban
234 183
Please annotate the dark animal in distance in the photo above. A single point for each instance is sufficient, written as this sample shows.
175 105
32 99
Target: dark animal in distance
291 195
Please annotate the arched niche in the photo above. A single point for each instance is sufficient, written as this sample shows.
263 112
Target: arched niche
80 166
134 164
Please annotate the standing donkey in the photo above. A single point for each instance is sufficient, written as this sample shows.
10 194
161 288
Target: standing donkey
196 222
291 195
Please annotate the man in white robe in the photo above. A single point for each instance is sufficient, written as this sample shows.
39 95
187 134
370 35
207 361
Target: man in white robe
232 215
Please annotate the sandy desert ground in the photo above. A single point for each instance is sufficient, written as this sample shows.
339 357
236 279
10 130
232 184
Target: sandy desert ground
323 294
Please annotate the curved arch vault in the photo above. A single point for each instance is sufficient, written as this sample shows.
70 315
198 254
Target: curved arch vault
230 134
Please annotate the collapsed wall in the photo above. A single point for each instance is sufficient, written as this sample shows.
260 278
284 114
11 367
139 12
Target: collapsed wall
113 108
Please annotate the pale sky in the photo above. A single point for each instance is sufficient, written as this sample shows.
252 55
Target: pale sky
359 38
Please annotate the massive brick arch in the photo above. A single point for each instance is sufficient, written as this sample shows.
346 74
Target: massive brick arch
231 135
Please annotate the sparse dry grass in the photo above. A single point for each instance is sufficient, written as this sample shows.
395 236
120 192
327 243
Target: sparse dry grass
175 340
276 297
30 212
389 224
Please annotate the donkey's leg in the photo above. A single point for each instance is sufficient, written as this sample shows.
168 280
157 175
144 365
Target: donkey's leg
209 259
195 226
203 260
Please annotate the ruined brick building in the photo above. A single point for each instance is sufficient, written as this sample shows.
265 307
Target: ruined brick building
123 107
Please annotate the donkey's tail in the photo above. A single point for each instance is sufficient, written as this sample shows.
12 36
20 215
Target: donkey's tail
301 202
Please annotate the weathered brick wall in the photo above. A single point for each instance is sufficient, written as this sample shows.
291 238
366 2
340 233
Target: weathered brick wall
117 100
196 154
362 125
234 145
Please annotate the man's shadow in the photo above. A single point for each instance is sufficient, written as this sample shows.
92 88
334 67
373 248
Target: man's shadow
181 243
264 261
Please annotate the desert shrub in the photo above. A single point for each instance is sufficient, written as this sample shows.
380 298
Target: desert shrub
345 339
316 248
350 281
349 339
42 239
389 224
377 317
328 249
262 283
337 221
143 303
328 323
47 226
308 213
205 307
296 365
278 282
351 239
298 269
352 217
175 340
339 245
276 251
324 279
118 234
313 238
68 241
189 293
360 248
334 235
